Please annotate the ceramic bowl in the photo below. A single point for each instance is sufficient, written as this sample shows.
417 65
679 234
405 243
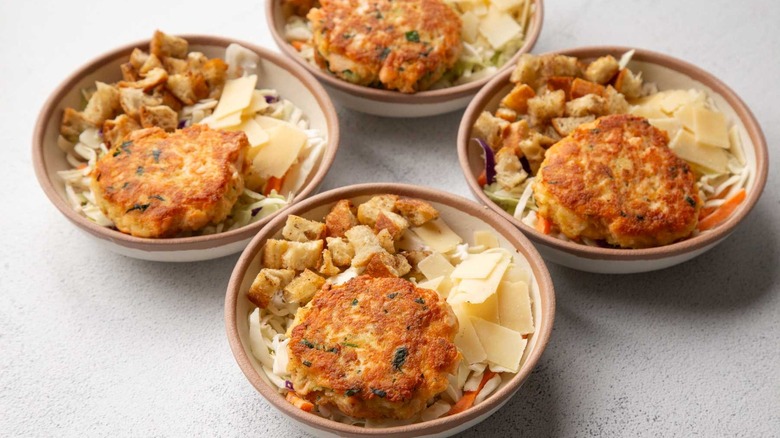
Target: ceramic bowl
388 103
667 73
463 216
278 72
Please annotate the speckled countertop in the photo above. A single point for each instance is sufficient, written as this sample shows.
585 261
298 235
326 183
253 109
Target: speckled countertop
92 343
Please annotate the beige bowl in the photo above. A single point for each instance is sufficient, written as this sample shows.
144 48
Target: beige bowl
463 216
277 72
390 103
667 73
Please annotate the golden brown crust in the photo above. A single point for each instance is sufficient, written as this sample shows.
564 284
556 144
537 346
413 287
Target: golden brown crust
404 45
615 179
156 184
340 219
373 347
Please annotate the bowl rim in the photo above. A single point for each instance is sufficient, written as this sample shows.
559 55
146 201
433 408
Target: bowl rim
392 96
520 242
177 243
701 241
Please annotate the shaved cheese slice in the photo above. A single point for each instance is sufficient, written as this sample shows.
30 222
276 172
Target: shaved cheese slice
228 121
256 135
432 284
258 103
477 265
236 96
516 273
684 145
442 285
504 347
435 265
478 290
736 145
470 27
438 235
267 123
485 238
499 28
507 5
467 340
487 310
650 110
674 99
710 128
514 307
409 242
668 124
281 151
685 116
625 59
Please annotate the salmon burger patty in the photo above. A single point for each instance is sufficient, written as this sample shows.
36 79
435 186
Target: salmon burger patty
615 179
159 184
404 45
373 347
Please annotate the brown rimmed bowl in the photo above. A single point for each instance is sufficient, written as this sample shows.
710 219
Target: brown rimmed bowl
277 72
389 103
463 216
668 73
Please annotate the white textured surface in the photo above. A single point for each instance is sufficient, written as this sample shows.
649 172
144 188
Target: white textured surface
95 343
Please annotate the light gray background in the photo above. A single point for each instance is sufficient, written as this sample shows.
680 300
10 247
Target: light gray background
92 343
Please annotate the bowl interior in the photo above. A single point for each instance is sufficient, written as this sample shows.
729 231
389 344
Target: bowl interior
667 73
273 72
475 218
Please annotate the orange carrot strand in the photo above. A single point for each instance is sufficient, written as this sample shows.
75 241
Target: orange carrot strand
723 212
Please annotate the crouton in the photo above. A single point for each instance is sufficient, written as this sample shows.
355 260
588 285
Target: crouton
215 73
175 66
188 88
303 287
153 78
517 99
196 61
414 258
616 102
168 99
160 116
129 73
386 240
138 58
416 211
340 218
302 230
368 211
556 83
565 125
279 254
581 87
546 106
265 285
602 70
132 99
586 106
114 131
168 45
387 265
628 84
526 70
509 170
533 149
103 105
394 223
365 243
152 62
328 268
507 114
560 65
490 129
516 133
341 250
73 124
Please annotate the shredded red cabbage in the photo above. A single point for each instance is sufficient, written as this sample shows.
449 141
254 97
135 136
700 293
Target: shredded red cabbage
288 385
490 161
256 210
271 99
182 124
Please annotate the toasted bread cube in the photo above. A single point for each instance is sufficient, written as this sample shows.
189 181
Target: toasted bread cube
527 70
303 230
340 218
114 131
565 125
490 129
188 88
507 114
138 58
586 106
279 254
132 99
602 70
383 264
196 61
394 223
341 250
516 133
152 62
103 105
365 243
328 268
167 98
546 106
303 287
509 170
175 66
517 99
215 73
615 102
416 211
168 45
368 212
153 78
160 116
266 284
386 240
560 65
129 73
629 84
73 124
533 149
581 87
556 83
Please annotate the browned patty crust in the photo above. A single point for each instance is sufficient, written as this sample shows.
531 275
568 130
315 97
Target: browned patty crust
373 347
404 45
615 179
158 184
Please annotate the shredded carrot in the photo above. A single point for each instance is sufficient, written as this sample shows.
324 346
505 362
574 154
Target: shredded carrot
298 402
298 45
273 183
482 179
543 225
468 398
722 212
